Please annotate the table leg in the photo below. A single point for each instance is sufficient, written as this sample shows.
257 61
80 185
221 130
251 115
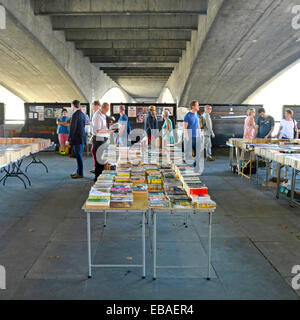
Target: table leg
209 246
293 185
238 159
88 217
185 219
105 219
231 157
267 172
256 162
144 244
278 169
154 245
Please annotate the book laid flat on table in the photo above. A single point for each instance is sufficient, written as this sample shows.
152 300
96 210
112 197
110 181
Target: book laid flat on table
182 197
179 204
140 188
159 203
98 201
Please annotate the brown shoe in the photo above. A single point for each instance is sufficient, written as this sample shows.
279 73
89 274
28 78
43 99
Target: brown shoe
210 159
92 171
76 176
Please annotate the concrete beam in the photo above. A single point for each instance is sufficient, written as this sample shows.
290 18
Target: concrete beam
146 59
138 74
113 34
125 22
139 65
132 52
133 44
135 70
143 78
84 7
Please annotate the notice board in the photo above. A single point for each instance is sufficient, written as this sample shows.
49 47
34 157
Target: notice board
137 112
40 119
228 121
295 109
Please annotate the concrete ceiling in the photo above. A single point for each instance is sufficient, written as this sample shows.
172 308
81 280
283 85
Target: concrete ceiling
248 43
136 43
32 77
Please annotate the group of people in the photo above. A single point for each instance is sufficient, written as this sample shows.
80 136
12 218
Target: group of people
103 130
74 131
264 126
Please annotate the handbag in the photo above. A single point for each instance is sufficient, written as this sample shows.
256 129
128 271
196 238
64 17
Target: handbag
295 129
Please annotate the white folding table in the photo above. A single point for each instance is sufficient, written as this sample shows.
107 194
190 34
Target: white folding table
154 212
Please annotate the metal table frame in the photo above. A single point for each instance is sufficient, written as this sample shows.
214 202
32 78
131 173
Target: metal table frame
36 160
13 170
154 238
90 265
295 172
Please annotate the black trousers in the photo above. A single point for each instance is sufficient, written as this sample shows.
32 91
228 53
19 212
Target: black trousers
99 167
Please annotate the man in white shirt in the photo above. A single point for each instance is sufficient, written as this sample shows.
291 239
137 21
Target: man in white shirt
100 135
288 127
206 126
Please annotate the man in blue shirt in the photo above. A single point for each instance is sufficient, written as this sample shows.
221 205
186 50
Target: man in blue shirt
264 125
151 124
122 138
191 131
77 137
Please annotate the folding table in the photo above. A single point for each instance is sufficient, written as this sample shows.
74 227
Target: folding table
154 211
140 205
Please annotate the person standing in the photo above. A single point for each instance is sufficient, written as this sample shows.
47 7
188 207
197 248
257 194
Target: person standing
208 131
288 127
191 131
77 137
249 124
249 129
63 123
264 125
100 136
167 130
151 124
122 137
95 106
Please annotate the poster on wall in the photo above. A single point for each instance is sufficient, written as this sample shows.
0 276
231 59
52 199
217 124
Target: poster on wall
30 115
32 109
69 111
140 114
35 115
159 111
41 116
39 109
56 112
131 112
116 110
48 113
170 109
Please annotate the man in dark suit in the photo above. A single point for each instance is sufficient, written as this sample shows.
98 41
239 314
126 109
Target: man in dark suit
77 137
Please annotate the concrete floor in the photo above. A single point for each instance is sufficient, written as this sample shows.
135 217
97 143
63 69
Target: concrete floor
256 242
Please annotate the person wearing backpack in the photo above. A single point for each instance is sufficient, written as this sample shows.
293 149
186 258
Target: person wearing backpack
288 127
206 126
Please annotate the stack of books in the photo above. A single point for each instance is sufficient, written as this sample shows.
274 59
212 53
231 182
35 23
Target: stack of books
161 202
104 183
139 188
121 196
203 202
98 198
123 176
137 175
